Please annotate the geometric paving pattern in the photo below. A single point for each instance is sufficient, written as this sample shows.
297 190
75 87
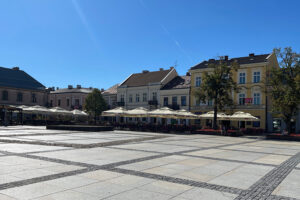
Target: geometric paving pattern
36 163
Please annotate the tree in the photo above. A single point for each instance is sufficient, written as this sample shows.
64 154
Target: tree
95 104
217 86
285 85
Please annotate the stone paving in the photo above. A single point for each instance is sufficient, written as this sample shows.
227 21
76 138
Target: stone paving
41 164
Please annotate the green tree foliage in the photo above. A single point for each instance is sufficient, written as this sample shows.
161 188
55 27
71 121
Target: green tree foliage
217 86
285 85
95 104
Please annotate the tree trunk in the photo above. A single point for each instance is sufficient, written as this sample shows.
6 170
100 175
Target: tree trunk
288 125
215 115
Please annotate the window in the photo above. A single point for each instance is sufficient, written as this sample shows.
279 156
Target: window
256 123
58 102
154 96
19 97
166 101
51 103
130 98
137 97
197 100
198 81
183 100
242 78
256 97
76 102
256 77
122 98
144 97
5 95
68 102
241 99
33 98
174 100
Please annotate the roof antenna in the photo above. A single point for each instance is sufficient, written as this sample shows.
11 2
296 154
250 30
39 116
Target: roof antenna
175 64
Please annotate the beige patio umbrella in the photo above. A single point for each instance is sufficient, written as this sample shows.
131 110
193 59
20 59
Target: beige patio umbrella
137 112
119 111
184 114
210 115
77 112
242 116
35 109
60 111
163 112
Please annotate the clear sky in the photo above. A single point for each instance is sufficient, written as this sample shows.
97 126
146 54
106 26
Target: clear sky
99 43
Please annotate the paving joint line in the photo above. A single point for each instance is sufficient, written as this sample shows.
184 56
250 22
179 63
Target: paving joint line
264 187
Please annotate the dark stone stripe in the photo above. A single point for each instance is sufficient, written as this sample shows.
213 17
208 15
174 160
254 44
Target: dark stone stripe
259 152
264 187
178 180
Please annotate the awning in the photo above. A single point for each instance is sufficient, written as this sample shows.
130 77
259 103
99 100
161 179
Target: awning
119 111
242 116
137 112
163 112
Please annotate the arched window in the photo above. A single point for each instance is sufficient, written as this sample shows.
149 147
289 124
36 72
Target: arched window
19 97
4 95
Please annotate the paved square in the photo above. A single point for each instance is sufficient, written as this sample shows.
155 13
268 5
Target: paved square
36 163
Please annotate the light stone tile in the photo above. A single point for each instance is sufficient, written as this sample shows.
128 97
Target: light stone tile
5 197
165 187
290 186
201 193
101 175
103 189
31 191
68 195
71 182
242 177
140 194
129 180
272 159
8 178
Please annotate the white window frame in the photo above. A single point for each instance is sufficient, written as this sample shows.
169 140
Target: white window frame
256 76
130 98
137 97
242 77
256 98
241 95
198 81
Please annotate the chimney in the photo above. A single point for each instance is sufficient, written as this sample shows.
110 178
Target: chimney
171 67
145 71
57 88
70 86
161 69
78 86
90 88
53 88
102 89
15 68
251 54
188 74
225 57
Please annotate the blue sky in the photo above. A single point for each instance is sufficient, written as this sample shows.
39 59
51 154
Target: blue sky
101 42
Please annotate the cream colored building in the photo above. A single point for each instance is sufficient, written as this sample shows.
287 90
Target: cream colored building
176 93
69 98
19 88
251 78
110 96
143 89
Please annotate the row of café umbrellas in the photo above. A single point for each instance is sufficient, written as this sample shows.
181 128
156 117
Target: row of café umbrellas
166 112
55 110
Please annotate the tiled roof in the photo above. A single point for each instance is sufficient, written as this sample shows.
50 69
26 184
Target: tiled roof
143 79
16 78
111 90
241 60
179 82
73 90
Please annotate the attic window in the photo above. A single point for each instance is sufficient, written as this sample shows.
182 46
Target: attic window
251 59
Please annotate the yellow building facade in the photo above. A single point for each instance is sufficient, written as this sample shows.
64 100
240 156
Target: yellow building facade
252 98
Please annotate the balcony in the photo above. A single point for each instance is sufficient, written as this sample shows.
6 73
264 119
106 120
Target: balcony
153 102
121 103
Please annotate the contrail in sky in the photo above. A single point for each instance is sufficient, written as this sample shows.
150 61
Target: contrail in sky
84 21
166 31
